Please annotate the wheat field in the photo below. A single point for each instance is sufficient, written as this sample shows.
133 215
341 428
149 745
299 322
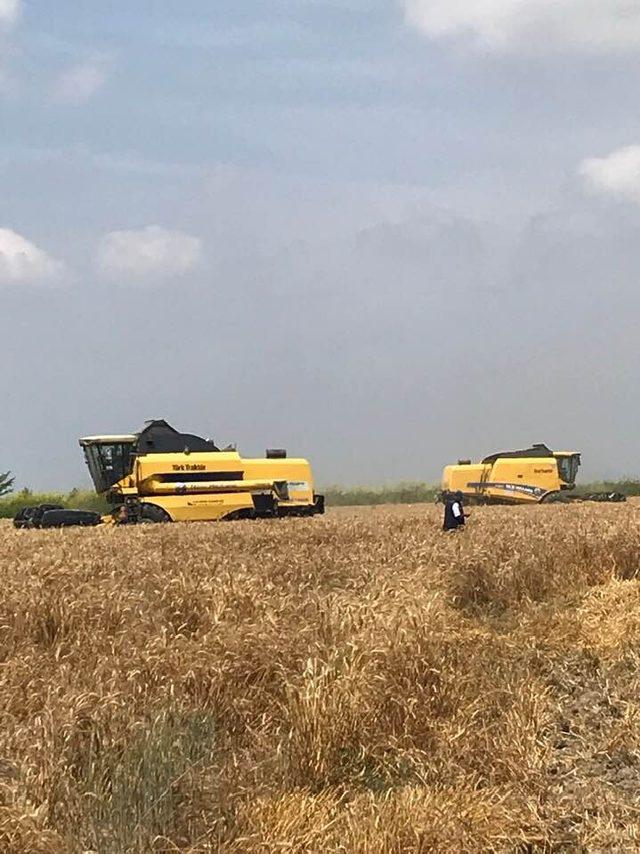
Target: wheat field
360 682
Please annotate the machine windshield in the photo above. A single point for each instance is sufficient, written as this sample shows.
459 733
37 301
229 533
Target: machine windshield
568 468
109 463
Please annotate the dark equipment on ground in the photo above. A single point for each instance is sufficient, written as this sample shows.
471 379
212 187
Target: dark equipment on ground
55 516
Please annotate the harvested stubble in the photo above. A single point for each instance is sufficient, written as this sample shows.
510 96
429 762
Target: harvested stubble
358 683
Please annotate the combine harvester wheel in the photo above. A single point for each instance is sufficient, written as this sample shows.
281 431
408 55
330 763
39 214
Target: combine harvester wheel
151 513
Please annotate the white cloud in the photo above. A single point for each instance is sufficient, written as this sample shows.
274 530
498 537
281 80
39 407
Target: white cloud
149 252
79 84
532 26
9 11
22 262
616 175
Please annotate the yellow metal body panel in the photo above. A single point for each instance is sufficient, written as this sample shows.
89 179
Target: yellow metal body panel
202 508
158 479
296 472
455 478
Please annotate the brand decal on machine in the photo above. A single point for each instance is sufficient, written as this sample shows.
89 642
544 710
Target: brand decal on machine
297 485
523 488
188 467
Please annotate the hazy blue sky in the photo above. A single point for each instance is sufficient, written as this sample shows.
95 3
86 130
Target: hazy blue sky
382 234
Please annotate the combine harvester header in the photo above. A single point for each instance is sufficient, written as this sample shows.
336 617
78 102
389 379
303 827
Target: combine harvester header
161 475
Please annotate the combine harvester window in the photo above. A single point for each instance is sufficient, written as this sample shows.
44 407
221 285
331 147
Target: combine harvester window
109 463
568 468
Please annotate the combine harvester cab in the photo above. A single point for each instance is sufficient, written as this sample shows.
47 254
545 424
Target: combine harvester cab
535 475
161 475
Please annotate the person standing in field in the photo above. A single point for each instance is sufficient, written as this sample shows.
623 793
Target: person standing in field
454 515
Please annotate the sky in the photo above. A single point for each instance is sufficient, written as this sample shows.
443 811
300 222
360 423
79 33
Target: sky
384 234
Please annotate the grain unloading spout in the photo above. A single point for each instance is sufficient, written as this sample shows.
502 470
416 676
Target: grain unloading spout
157 486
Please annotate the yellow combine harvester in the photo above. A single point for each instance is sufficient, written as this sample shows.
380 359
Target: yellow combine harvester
531 476
161 475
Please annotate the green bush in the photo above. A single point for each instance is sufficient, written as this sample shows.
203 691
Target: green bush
76 499
424 493
400 493
629 487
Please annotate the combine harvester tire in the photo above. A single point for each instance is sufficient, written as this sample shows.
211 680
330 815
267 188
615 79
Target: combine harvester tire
153 513
556 498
